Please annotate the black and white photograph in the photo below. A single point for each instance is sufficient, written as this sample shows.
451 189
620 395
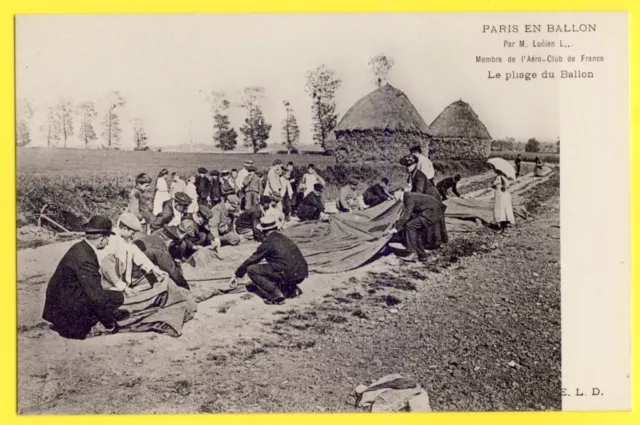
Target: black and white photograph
322 213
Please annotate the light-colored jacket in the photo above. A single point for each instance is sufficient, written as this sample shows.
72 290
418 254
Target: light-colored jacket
117 261
426 166
308 180
240 178
286 190
273 184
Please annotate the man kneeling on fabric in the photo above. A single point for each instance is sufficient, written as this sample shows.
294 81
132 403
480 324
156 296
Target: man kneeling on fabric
284 270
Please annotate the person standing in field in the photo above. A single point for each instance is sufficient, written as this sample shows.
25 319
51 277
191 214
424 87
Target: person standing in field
242 174
203 186
172 212
293 177
215 194
284 269
139 205
76 303
177 184
502 209
537 172
227 184
192 191
252 188
424 164
286 194
309 180
162 192
273 184
518 164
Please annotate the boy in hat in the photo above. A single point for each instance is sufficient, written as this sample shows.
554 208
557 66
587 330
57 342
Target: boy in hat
221 222
252 188
121 255
75 300
156 247
173 211
348 200
444 185
312 207
215 194
284 270
139 205
203 186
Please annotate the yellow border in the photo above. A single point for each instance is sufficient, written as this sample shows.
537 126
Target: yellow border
7 191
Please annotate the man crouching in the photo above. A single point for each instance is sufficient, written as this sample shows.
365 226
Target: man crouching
284 270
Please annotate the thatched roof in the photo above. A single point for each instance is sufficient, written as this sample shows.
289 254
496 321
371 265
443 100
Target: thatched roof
382 109
459 121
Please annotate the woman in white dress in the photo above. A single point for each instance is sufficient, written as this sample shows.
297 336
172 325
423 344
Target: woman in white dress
193 194
162 192
503 209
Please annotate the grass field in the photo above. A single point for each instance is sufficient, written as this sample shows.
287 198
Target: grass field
88 182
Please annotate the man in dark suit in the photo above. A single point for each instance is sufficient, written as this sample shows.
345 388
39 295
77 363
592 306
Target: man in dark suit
173 211
422 214
75 299
203 186
284 270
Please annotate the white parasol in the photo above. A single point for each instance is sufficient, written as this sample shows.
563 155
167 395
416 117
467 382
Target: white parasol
504 166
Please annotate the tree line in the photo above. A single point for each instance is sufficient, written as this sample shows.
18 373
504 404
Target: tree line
321 86
532 145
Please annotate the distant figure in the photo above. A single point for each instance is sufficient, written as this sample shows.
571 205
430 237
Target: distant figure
424 163
177 184
172 212
203 186
139 204
162 192
312 207
449 183
286 194
242 174
537 172
284 270
273 184
75 299
503 209
252 188
421 215
293 176
192 191
309 180
348 199
377 194
228 184
518 164
215 194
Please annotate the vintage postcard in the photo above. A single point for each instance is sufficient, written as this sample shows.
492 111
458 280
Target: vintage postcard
419 212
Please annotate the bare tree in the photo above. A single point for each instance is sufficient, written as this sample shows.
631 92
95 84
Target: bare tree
321 86
111 120
87 112
139 136
51 128
380 66
64 115
23 128
255 129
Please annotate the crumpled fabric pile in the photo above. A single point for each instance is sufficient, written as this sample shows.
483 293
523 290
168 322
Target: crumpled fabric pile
392 393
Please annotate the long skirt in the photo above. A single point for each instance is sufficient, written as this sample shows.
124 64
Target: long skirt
160 198
503 209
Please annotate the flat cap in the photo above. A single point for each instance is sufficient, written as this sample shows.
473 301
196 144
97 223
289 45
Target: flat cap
205 212
215 173
131 221
202 170
233 200
183 199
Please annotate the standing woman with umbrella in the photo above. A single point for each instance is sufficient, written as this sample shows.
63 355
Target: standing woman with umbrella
503 208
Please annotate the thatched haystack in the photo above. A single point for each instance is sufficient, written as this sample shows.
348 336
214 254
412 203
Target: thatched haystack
381 126
458 133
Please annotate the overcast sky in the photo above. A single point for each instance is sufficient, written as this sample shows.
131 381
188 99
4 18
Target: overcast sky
166 64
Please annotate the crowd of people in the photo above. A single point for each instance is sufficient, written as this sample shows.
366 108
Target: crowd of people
152 239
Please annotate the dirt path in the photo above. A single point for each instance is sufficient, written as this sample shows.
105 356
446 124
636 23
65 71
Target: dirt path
456 330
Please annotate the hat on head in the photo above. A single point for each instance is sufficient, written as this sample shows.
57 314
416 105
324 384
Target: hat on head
226 171
188 227
130 220
99 224
215 173
267 223
233 200
247 163
183 199
318 187
408 160
251 168
353 182
202 170
143 178
205 212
